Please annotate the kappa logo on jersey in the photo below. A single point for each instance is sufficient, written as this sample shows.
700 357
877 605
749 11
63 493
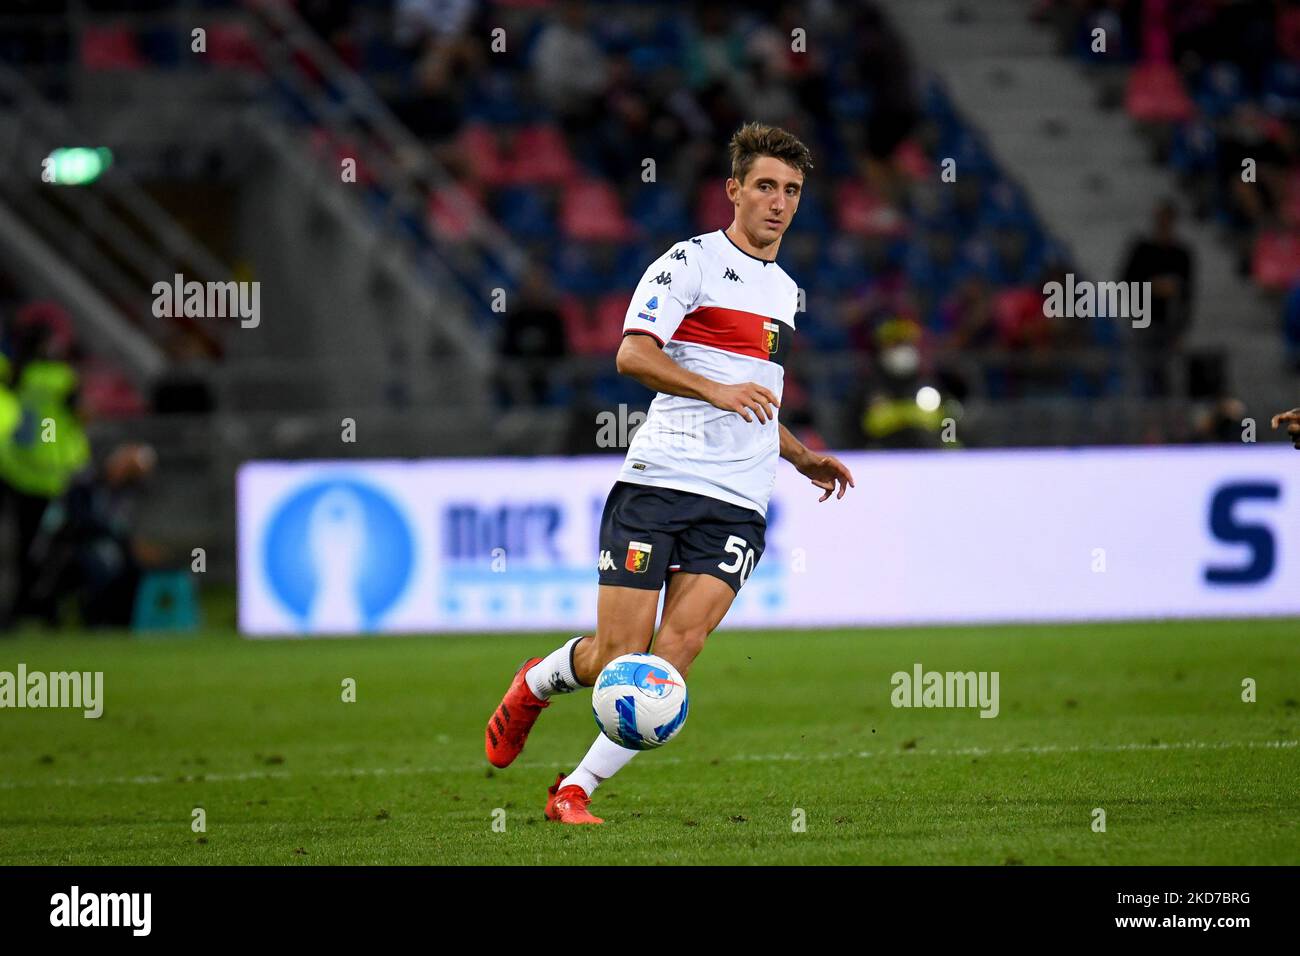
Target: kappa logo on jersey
730 274
638 557
770 333
698 242
663 278
679 254
650 307
606 562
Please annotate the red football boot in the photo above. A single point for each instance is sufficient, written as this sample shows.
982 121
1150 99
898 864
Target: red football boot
569 804
514 717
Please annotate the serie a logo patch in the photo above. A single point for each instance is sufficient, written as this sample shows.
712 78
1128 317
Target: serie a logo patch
638 557
770 332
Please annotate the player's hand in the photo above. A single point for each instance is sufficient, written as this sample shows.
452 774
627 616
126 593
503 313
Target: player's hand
827 472
746 397
1293 428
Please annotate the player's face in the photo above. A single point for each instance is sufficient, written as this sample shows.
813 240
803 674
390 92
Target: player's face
766 201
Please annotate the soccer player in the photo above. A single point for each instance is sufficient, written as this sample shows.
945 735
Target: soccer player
708 329
1293 427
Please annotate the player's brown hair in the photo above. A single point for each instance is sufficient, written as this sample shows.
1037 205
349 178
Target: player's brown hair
758 139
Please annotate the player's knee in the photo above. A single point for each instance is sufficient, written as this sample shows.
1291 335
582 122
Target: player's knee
603 648
681 645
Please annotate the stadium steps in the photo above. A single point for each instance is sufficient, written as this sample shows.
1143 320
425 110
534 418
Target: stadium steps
1088 171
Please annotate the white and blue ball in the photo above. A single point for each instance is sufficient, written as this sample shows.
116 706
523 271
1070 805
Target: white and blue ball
639 701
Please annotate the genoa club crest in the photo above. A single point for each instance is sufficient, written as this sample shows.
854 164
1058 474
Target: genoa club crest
770 332
638 557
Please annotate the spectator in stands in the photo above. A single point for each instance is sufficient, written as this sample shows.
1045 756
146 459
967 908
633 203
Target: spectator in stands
569 68
1166 262
532 340
1220 423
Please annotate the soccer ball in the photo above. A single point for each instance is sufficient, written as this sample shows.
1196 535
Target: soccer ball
639 701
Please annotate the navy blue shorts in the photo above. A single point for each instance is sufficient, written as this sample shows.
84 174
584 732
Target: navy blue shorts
647 532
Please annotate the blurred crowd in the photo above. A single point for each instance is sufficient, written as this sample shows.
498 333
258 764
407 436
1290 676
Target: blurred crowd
909 279
1216 87
593 134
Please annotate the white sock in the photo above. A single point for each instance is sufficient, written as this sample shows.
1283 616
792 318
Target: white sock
554 673
603 760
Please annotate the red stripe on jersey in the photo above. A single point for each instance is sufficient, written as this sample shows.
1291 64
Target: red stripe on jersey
732 330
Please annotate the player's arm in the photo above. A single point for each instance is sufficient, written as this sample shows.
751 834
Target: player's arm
1292 418
824 471
667 292
641 357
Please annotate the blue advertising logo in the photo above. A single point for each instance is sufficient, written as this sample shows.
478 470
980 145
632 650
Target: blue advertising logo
1258 539
338 554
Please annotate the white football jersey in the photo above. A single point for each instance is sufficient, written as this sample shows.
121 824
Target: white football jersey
724 314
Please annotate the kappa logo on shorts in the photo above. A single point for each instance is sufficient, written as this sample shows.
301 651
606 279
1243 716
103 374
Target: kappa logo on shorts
606 562
638 557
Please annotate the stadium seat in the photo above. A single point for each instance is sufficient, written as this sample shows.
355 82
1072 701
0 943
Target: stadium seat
1156 95
607 321
1221 89
450 213
524 213
1275 263
713 210
590 210
230 45
541 156
661 209
861 212
110 47
576 314
478 143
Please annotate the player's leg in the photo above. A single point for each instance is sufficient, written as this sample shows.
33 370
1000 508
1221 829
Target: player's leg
632 527
716 550
716 555
693 608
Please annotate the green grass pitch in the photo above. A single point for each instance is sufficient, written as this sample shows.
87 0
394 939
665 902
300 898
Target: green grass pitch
1143 720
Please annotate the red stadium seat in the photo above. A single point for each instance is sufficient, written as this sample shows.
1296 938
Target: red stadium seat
110 47
1156 94
1291 199
911 161
608 325
542 156
481 148
590 210
334 151
107 393
713 210
578 327
448 212
861 212
231 45
1018 314
1276 260
1288 32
